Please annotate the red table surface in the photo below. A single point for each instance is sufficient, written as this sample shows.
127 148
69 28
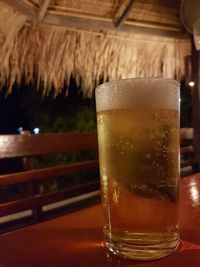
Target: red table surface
76 239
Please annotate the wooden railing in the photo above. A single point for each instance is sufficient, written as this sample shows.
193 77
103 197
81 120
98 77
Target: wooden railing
27 147
41 206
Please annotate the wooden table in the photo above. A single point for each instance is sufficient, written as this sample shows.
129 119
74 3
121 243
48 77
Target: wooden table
76 239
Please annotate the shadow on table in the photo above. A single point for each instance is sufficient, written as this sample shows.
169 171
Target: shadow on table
94 254
86 249
77 247
178 259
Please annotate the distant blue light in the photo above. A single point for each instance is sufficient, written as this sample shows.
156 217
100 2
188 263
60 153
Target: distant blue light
20 129
36 130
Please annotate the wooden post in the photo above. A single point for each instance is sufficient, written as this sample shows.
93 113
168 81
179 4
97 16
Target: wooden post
35 185
196 101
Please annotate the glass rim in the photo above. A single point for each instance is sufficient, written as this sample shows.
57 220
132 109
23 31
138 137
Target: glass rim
150 79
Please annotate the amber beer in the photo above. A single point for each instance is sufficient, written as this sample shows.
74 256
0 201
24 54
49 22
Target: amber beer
139 166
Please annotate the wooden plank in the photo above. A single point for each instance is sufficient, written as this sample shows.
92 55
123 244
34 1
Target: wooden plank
186 133
97 25
47 173
41 200
24 8
25 146
58 10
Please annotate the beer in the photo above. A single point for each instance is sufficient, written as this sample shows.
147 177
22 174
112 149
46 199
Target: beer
139 168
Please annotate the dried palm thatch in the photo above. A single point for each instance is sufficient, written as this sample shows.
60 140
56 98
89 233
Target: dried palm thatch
51 55
48 56
9 28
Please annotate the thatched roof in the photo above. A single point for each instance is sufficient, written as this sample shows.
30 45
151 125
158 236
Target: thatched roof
49 41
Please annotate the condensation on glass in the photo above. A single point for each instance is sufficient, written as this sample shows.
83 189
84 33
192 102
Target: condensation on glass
138 135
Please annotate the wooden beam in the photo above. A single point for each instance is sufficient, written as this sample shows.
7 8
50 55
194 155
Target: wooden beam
43 9
98 25
24 8
124 15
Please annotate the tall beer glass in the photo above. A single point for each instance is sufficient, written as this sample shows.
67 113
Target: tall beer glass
138 135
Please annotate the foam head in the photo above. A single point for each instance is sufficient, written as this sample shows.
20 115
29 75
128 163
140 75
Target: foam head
138 93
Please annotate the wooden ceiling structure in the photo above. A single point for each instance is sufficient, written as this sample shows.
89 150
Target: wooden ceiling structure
157 17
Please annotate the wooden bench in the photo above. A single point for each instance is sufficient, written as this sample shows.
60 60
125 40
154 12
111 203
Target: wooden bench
38 206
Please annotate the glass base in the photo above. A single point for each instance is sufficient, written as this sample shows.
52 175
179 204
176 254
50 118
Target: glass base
142 246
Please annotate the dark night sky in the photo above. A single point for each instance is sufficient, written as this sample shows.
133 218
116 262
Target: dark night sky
25 103
11 115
